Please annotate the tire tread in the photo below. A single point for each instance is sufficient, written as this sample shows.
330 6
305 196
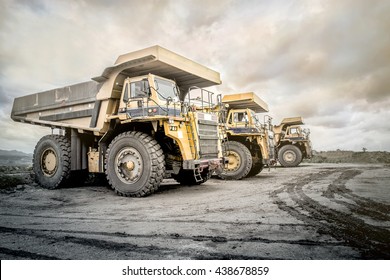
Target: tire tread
157 161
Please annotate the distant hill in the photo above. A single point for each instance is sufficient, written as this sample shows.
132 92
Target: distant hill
13 153
350 157
15 158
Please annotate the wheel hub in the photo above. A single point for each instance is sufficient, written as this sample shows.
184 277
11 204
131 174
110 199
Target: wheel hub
129 165
49 162
234 161
289 156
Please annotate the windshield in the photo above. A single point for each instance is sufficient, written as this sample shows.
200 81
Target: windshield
165 89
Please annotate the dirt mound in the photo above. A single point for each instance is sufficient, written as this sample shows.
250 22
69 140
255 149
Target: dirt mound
12 176
350 157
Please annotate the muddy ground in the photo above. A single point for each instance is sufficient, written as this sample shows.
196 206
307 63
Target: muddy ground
315 211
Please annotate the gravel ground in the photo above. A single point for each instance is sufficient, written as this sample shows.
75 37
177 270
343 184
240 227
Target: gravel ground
314 211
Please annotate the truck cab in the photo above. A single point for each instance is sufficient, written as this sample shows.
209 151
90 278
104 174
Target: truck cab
245 122
149 95
295 133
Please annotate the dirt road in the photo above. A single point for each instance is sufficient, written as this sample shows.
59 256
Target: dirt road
315 211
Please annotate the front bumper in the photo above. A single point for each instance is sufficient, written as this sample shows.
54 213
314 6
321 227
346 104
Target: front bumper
211 164
269 162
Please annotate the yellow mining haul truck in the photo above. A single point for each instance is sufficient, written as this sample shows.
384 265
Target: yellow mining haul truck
292 142
248 142
131 123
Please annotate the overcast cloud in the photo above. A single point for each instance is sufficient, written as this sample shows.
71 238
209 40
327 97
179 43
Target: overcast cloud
327 61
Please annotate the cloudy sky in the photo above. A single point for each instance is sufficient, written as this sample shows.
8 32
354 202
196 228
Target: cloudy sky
327 61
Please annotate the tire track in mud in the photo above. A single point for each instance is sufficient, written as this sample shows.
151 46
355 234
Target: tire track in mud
362 206
69 236
372 241
25 255
49 237
195 221
122 247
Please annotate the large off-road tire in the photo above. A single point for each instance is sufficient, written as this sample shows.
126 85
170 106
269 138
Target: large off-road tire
240 162
187 177
134 164
257 166
290 156
51 161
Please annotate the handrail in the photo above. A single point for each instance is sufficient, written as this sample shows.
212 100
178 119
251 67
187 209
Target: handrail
209 103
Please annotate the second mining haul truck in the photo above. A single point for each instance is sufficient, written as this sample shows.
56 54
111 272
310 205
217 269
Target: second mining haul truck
292 142
131 123
248 143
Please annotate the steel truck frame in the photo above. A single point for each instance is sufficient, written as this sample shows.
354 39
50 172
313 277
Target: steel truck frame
132 123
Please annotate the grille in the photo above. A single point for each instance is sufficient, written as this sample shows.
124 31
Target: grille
208 138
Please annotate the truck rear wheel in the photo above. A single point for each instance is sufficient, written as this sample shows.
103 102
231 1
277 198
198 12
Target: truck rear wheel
290 156
240 162
256 168
51 161
134 164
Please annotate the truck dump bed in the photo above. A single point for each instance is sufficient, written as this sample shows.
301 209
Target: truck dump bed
162 62
61 104
286 122
292 121
245 100
87 105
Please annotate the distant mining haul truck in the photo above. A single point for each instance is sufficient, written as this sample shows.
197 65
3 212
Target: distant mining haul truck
248 143
292 142
131 123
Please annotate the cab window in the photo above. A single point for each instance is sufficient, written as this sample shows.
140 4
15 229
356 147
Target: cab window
165 89
139 89
241 117
293 131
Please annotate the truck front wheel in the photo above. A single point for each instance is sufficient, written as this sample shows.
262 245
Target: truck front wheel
240 162
290 156
51 161
134 164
